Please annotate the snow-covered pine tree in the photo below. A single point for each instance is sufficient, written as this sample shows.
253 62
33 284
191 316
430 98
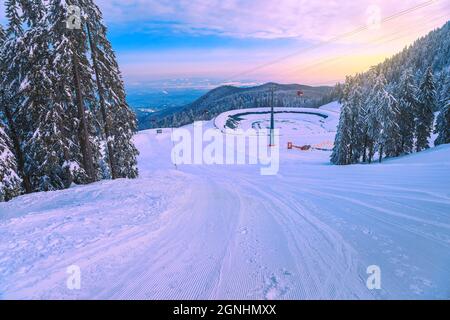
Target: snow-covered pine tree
416 106
363 128
13 55
91 24
37 120
46 149
407 104
342 145
341 149
375 101
364 116
50 108
119 122
40 141
443 125
389 140
442 88
51 144
75 90
443 119
356 131
10 183
424 113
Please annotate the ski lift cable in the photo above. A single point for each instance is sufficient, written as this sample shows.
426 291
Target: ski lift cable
320 62
374 44
334 39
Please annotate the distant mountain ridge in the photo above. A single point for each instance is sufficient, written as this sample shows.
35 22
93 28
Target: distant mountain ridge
225 98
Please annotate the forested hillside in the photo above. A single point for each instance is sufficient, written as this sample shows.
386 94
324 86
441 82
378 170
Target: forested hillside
227 98
63 115
390 110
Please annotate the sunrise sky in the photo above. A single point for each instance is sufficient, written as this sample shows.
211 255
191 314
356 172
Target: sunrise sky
262 40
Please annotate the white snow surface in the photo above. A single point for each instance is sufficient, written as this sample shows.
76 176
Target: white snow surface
227 232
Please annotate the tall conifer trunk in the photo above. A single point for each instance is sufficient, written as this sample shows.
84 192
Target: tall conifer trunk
83 132
106 120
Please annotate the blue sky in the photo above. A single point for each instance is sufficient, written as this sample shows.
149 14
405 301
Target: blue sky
239 40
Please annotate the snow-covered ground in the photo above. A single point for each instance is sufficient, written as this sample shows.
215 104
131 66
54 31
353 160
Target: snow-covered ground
227 232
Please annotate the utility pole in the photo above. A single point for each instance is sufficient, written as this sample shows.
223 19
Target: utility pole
272 119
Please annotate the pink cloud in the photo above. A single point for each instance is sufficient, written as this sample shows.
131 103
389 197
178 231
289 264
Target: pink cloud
260 18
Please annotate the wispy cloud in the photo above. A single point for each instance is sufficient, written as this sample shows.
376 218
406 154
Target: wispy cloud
160 39
266 19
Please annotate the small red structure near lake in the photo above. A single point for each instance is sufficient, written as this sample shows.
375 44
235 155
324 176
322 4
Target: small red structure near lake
302 148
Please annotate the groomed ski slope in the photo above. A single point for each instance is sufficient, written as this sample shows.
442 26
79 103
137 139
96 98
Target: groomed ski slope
226 232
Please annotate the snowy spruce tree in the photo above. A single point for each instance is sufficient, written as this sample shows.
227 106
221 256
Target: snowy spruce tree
358 129
341 150
10 183
407 104
384 130
376 100
424 116
75 91
343 140
443 119
118 121
12 55
349 144
443 125
443 90
389 140
41 142
395 117
64 87
364 116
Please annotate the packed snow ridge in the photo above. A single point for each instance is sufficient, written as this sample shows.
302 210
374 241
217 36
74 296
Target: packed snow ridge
226 232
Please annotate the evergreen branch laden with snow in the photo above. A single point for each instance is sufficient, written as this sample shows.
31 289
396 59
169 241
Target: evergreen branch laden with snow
62 99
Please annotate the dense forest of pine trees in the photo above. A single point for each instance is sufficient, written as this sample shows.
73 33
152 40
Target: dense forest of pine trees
389 111
63 114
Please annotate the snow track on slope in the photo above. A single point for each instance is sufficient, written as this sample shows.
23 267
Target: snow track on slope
298 257
226 232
